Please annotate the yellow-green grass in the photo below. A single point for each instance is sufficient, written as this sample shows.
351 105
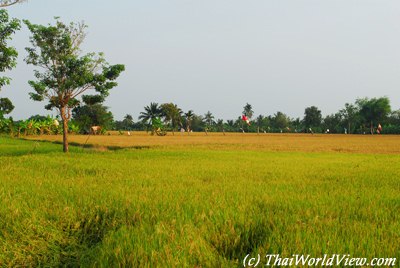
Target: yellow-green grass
196 204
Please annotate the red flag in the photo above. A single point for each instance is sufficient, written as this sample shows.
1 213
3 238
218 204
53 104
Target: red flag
244 118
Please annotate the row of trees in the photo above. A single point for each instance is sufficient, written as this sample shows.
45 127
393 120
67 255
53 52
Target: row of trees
362 116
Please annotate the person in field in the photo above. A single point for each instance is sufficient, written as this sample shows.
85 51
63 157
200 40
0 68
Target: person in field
379 129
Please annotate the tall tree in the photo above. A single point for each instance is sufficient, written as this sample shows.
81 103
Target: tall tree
262 123
188 119
197 123
280 121
374 111
312 117
349 114
209 119
8 55
66 74
128 122
248 111
7 3
172 114
333 123
220 125
88 115
150 113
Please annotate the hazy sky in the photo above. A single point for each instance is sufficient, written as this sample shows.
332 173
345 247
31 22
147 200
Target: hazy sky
277 55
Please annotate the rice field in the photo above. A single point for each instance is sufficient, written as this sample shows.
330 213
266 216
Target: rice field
196 200
376 144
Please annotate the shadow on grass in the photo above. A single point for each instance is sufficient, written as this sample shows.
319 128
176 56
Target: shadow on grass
87 232
235 240
21 146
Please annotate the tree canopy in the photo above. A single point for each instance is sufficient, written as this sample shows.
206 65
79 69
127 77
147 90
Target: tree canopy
86 116
6 106
248 110
8 55
374 110
151 112
172 114
312 117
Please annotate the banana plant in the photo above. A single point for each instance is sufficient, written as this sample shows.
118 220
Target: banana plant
73 128
6 125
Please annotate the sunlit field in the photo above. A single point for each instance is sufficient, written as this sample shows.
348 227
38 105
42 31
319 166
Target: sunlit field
375 144
196 200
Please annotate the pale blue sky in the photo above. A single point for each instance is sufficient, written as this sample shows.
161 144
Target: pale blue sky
217 55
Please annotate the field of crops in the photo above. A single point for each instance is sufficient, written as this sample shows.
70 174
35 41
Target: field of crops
197 200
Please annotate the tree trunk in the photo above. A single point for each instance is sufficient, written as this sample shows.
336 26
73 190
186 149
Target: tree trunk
65 136
349 128
65 130
372 128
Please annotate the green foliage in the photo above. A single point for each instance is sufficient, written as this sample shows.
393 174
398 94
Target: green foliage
6 125
157 127
312 117
151 112
6 106
333 123
188 118
86 116
248 110
373 111
262 123
8 55
198 123
35 125
209 119
172 115
279 121
74 127
65 75
128 123
350 115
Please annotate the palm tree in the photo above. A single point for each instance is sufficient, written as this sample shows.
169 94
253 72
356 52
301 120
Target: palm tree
208 118
260 122
150 113
248 110
189 117
128 122
220 125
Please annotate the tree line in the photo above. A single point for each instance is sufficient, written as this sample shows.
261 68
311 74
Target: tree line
364 116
